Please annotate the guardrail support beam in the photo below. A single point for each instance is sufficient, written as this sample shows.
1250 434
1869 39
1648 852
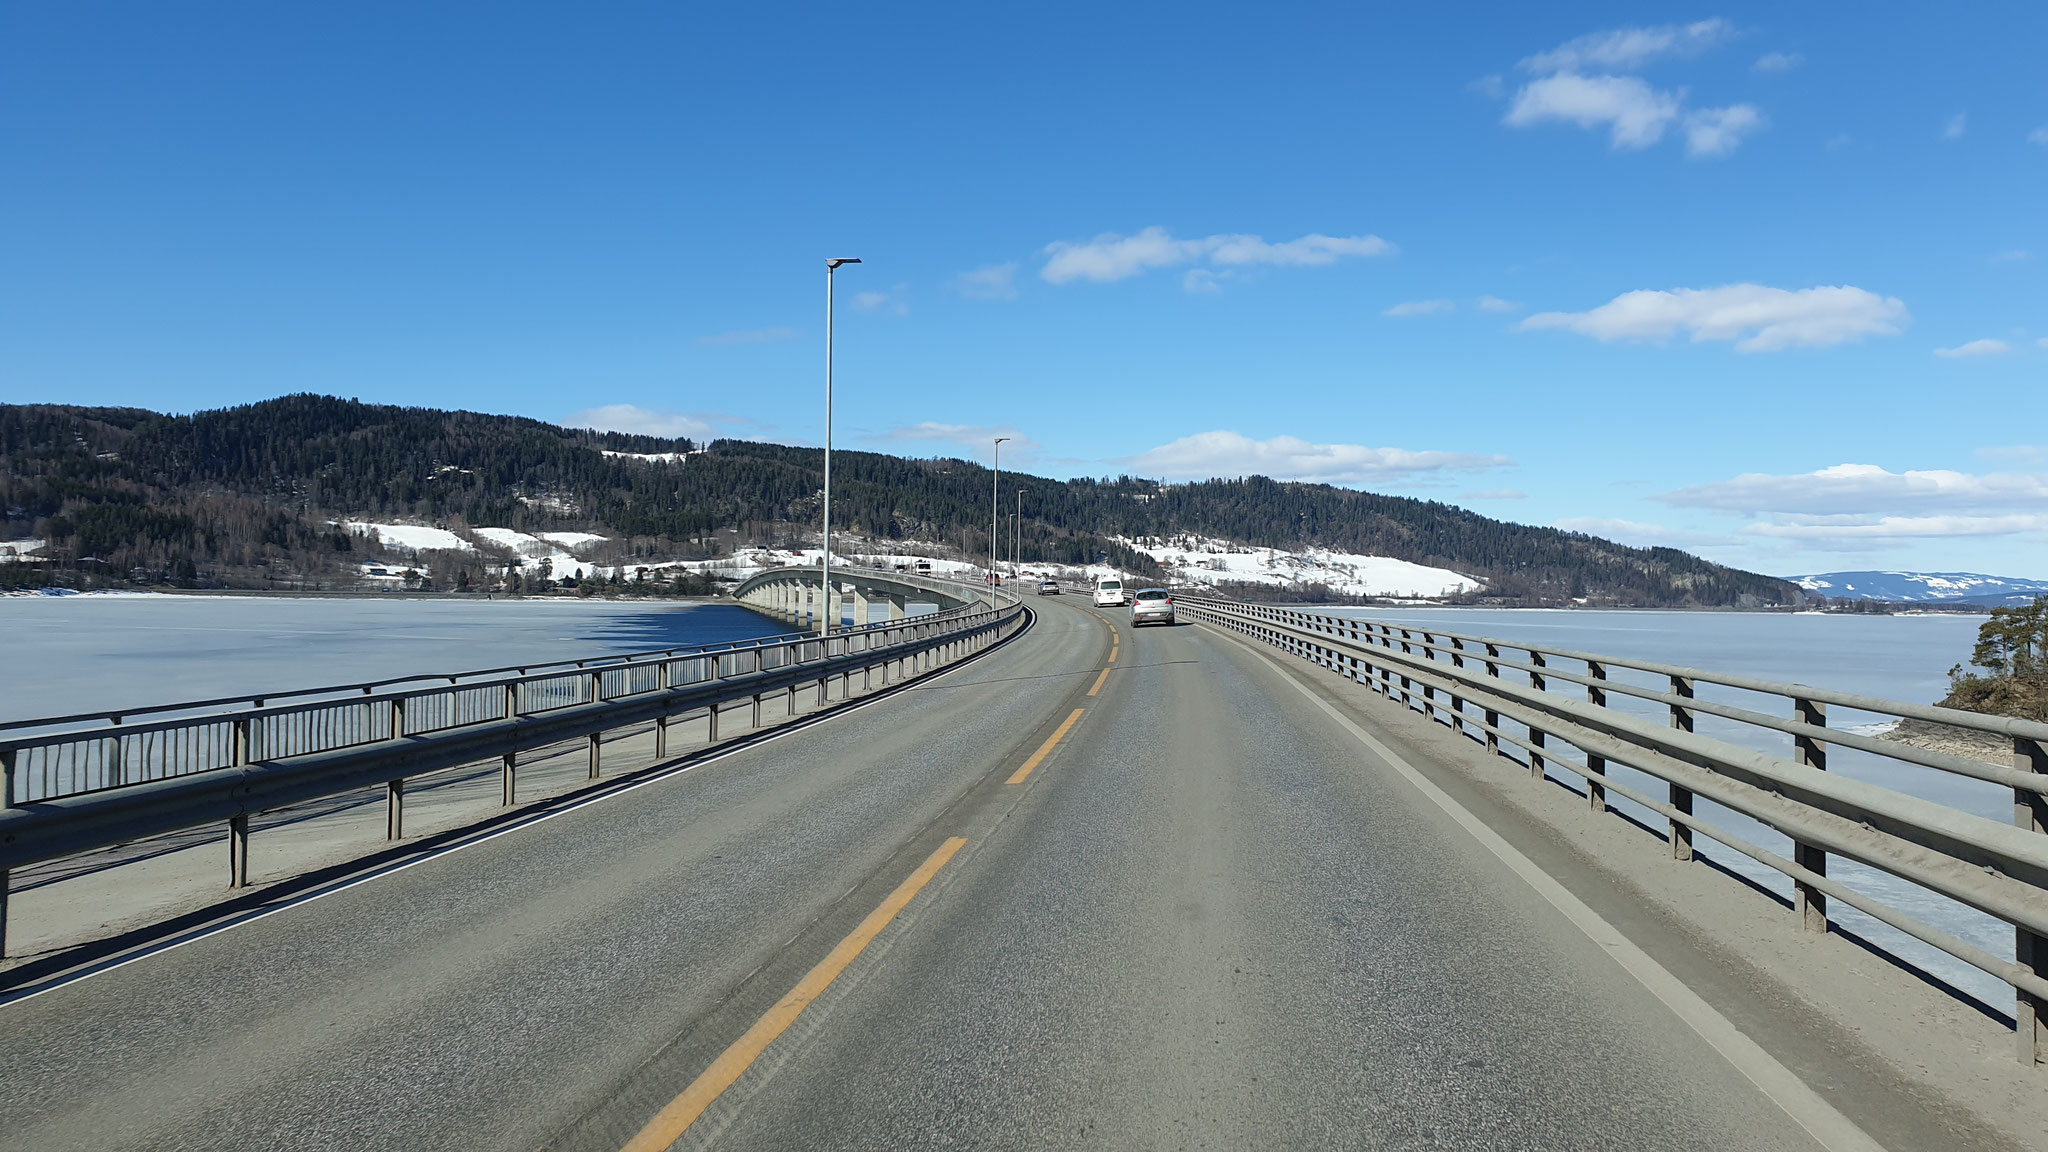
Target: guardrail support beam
508 779
238 851
1596 766
1681 798
394 809
2030 951
1810 903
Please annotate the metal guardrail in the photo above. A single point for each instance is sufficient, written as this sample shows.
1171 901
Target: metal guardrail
78 783
1998 869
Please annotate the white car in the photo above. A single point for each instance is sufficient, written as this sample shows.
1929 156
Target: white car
1109 592
1152 606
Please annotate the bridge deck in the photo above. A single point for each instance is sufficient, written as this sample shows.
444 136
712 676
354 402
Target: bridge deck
1207 917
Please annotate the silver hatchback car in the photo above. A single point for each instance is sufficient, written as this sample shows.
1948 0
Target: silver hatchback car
1152 606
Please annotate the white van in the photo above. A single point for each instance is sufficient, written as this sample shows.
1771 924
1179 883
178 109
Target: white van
1109 592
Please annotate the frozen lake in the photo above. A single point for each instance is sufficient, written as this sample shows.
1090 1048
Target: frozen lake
67 654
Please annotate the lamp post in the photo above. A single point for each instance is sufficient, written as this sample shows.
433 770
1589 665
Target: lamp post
828 613
995 496
1017 536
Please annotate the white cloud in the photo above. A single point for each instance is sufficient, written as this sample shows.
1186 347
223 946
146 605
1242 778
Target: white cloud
1777 62
1630 48
989 282
2039 136
1974 349
1717 132
644 421
977 438
1757 318
1496 304
1634 113
1110 257
1211 454
1312 249
1495 494
1867 489
1634 532
895 302
2043 341
2012 256
1956 126
752 336
1856 532
1202 280
1421 308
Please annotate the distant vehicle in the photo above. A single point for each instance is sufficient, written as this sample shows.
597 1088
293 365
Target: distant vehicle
1048 587
1152 605
1109 592
924 567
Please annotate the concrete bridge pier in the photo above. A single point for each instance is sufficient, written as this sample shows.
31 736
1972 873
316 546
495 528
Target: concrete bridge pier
860 606
897 607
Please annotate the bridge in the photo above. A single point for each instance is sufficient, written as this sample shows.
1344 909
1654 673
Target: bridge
1011 873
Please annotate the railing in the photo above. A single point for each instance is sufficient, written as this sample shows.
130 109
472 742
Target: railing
1500 693
77 783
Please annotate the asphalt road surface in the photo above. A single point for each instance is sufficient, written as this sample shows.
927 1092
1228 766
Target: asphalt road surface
1207 917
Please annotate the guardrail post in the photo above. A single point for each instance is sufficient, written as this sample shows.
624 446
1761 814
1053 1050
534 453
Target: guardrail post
1492 717
1457 701
394 809
2030 811
757 709
7 761
238 851
1809 903
1596 766
711 721
661 684
1681 798
596 744
1428 691
1536 736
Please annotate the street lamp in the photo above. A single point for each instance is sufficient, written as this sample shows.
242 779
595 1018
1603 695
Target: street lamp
830 604
1017 536
995 496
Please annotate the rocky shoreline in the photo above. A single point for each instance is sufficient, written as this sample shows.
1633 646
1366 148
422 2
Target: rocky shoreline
1965 742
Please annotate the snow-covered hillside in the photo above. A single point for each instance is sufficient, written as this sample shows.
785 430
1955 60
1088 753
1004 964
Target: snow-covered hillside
1210 561
1936 587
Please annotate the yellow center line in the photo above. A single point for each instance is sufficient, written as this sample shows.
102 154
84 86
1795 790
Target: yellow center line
1112 653
671 1122
1046 748
1098 682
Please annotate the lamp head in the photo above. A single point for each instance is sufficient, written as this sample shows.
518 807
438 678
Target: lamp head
836 261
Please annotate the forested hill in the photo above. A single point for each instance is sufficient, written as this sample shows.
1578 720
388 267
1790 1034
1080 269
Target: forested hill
215 496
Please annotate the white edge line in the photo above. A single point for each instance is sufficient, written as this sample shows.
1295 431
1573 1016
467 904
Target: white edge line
1820 1119
521 824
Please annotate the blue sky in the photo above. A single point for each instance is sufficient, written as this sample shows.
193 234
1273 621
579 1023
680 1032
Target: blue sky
1761 281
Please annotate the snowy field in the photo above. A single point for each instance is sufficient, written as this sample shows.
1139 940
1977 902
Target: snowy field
1200 559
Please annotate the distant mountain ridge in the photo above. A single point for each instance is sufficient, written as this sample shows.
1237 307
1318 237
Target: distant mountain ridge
1924 587
263 493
